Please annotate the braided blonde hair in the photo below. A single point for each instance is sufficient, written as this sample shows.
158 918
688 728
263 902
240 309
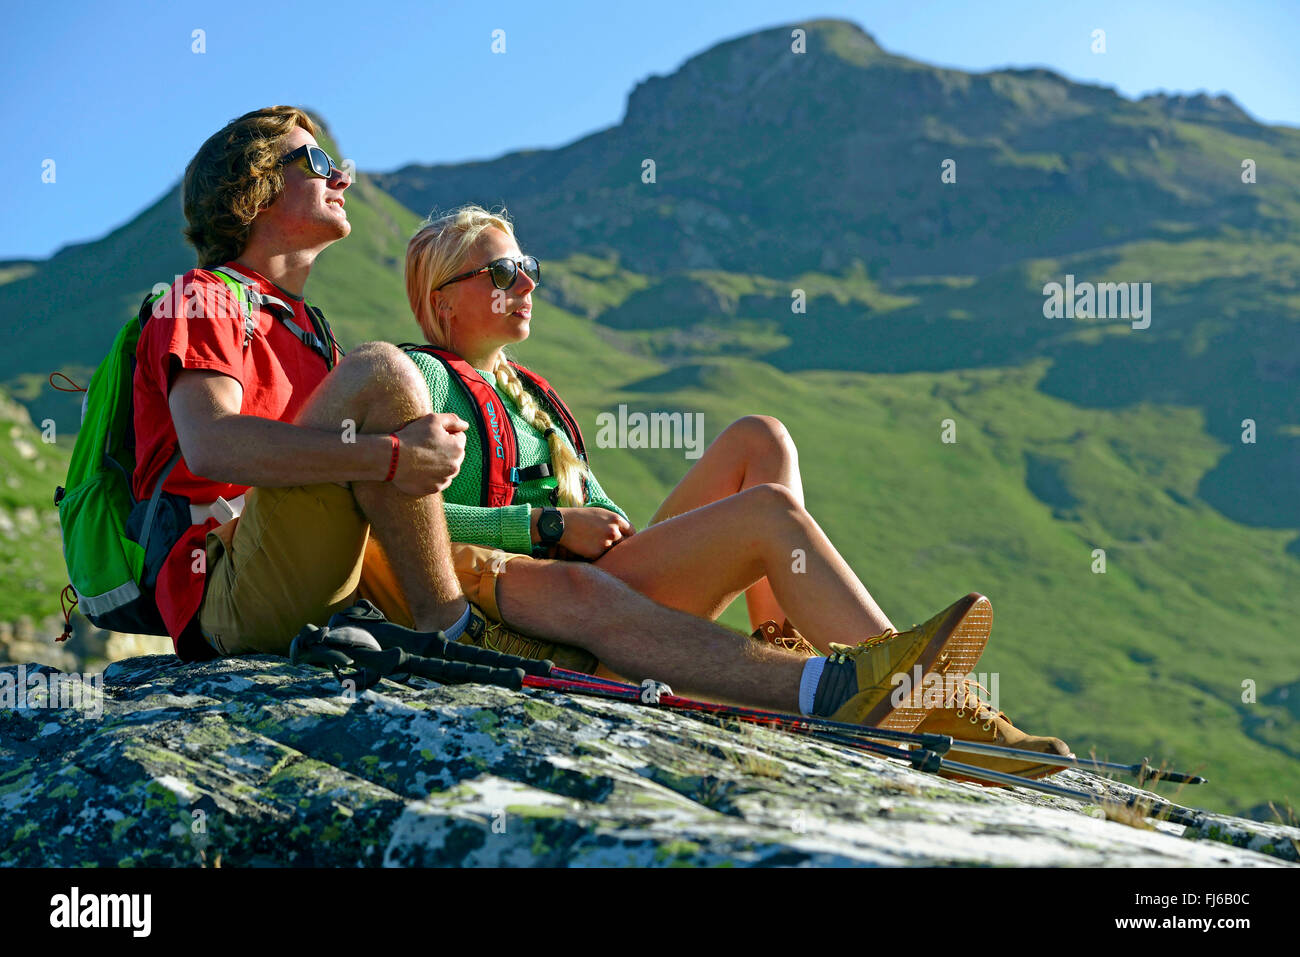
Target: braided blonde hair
436 253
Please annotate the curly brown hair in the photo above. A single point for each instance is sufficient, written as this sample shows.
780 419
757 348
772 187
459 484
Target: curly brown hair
236 173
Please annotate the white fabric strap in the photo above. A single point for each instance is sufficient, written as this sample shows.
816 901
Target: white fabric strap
101 604
236 275
223 511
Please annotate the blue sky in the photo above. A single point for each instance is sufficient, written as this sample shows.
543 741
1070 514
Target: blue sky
114 94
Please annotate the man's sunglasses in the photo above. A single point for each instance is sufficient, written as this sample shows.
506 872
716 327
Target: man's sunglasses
319 162
505 272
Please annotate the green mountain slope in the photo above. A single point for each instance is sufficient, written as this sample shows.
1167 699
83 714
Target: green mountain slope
31 559
1223 339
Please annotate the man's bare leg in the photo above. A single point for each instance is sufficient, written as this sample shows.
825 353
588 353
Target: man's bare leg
381 390
578 604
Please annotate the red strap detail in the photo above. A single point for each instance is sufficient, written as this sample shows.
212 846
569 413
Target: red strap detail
75 387
67 609
392 462
497 434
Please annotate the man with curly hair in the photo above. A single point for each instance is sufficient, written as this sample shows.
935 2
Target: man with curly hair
291 452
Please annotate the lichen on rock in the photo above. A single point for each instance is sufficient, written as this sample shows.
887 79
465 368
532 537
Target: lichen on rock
255 761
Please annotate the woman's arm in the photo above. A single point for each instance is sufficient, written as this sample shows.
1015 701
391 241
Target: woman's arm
511 528
506 528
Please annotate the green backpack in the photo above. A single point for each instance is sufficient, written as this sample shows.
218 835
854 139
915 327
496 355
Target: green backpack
113 544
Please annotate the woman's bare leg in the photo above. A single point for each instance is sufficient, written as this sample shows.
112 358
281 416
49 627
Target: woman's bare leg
699 561
754 450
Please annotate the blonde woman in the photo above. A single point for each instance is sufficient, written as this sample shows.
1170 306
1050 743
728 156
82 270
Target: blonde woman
729 527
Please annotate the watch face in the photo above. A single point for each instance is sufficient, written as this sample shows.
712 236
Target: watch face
551 525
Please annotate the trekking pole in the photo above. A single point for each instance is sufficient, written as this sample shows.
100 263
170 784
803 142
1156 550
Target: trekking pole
923 758
426 646
389 635
1143 771
335 647
458 672
338 647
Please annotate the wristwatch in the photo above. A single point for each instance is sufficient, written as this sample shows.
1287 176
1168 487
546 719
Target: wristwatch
550 529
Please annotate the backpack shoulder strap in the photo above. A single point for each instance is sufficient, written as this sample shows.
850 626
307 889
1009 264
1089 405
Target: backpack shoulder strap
496 433
278 308
155 498
326 334
244 292
147 307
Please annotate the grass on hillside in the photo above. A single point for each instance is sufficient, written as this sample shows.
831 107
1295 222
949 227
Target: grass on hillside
31 557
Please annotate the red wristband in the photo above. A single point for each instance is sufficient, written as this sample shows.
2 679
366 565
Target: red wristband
392 463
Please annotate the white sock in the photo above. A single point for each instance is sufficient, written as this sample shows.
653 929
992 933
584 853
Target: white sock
812 676
458 629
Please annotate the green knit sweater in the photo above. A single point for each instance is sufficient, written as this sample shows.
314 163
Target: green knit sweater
510 526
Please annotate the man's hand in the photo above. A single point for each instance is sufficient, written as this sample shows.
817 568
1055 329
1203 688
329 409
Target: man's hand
590 532
433 446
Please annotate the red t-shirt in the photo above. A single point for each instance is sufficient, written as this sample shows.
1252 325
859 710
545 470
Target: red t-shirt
199 324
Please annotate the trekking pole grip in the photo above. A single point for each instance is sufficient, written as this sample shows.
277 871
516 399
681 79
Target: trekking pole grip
460 672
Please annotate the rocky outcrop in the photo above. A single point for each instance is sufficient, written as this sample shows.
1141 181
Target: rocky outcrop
256 761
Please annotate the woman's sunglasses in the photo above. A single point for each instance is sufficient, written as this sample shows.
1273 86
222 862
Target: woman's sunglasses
504 271
319 162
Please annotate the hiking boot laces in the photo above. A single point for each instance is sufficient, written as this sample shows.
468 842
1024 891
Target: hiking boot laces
842 653
787 639
979 710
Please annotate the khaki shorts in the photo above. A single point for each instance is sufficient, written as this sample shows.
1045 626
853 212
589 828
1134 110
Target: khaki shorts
300 554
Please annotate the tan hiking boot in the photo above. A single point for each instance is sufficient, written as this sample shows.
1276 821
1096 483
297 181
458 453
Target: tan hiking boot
785 637
967 718
483 632
953 639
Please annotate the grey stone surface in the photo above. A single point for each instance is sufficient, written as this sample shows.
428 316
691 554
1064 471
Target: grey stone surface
256 761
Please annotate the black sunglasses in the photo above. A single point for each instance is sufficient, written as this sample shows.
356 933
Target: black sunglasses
319 162
505 272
